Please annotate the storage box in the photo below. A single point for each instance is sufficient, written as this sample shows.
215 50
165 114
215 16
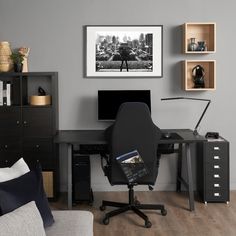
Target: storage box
36 100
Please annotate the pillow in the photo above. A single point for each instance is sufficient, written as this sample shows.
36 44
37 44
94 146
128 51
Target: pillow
18 169
25 220
28 187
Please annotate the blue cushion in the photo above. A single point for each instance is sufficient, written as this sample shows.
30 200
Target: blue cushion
19 191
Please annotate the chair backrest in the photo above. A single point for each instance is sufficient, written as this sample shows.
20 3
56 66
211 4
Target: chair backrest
134 130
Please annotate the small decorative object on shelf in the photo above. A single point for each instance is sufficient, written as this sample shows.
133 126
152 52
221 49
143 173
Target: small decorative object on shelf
25 51
5 60
201 46
17 59
198 73
41 99
192 46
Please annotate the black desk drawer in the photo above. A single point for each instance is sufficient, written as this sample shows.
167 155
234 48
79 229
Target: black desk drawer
211 176
217 195
217 185
216 151
216 159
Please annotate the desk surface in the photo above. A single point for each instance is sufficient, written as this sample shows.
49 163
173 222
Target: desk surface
98 137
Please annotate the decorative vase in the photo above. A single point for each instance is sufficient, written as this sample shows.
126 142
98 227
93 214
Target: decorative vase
18 67
198 76
5 60
201 46
192 46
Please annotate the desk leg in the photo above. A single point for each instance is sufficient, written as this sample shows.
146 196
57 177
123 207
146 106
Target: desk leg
179 168
190 177
69 176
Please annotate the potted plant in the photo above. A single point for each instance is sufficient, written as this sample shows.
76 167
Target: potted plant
17 59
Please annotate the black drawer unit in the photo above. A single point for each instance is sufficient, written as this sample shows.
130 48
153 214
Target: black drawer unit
213 170
39 151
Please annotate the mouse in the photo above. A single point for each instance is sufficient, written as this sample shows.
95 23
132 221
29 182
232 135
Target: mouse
167 135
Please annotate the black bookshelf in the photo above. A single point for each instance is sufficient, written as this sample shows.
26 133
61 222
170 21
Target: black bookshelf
27 131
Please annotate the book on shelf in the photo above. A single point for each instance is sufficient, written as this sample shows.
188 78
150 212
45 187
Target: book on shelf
1 93
5 93
8 93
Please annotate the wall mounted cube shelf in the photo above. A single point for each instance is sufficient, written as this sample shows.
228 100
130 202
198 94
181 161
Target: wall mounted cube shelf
200 32
210 74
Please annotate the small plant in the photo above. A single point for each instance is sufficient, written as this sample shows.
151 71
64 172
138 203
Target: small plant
17 57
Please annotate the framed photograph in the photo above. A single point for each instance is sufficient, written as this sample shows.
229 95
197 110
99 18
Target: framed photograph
124 51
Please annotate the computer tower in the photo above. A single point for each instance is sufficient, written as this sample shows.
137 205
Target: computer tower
81 180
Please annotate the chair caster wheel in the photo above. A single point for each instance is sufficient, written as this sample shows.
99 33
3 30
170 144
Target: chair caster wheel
137 202
164 212
106 221
102 208
148 224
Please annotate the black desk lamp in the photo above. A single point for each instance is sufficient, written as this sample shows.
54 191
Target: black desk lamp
198 99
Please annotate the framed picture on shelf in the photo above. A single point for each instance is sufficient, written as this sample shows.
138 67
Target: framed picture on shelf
124 51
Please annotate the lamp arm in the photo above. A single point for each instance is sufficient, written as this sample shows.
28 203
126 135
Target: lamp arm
198 99
199 121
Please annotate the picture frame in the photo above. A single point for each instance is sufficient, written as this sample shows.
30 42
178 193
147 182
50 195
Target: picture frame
124 51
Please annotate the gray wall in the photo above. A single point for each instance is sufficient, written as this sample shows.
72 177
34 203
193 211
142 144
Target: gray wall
54 31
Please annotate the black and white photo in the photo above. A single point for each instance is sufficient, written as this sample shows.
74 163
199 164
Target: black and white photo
124 51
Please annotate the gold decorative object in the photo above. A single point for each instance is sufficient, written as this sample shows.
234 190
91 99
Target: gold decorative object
36 100
25 51
5 60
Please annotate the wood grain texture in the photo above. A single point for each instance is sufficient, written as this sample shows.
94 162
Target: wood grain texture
213 219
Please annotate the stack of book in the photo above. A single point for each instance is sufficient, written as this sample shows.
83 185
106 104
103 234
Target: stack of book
5 93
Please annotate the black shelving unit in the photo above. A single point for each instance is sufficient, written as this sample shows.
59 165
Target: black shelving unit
27 131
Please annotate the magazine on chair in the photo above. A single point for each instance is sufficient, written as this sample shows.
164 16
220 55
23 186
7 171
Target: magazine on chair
132 165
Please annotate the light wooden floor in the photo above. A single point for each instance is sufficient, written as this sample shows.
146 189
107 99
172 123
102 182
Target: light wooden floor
215 219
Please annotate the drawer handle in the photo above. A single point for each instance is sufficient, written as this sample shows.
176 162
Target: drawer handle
216 158
216 148
17 122
216 185
216 166
216 176
216 194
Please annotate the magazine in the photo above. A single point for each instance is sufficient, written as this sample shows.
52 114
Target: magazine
132 165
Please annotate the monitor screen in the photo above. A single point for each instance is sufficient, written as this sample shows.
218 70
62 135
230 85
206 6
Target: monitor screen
109 101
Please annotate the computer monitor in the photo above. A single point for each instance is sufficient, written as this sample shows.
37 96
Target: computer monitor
109 101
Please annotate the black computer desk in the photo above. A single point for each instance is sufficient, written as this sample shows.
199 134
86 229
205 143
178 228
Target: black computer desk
79 137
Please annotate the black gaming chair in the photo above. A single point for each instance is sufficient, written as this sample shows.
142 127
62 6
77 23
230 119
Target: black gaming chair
132 130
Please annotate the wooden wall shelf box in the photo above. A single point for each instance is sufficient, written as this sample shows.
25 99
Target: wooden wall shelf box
201 32
210 74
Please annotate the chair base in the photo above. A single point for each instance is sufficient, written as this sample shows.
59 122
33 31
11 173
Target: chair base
133 205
